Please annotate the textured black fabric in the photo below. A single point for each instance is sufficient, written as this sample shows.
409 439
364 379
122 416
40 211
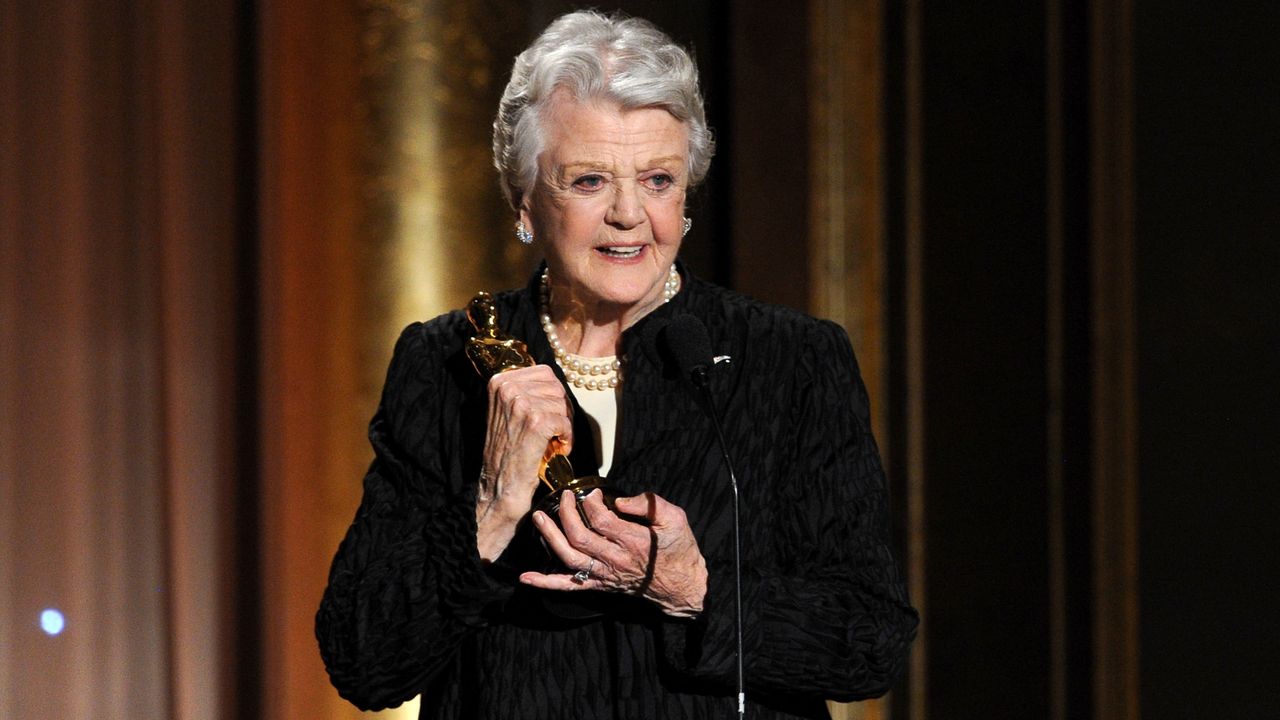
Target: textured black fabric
410 607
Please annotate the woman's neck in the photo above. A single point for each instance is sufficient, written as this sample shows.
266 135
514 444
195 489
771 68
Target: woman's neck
594 328
589 335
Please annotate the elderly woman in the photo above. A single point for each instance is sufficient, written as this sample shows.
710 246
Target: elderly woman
437 588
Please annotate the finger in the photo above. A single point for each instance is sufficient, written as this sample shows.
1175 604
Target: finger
624 549
581 537
643 505
562 443
547 427
523 400
607 523
559 544
526 419
660 512
620 556
559 581
532 372
568 404
538 380
526 439
513 407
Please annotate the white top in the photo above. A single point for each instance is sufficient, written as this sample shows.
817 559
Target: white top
601 408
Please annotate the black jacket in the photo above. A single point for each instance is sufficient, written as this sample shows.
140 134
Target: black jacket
411 609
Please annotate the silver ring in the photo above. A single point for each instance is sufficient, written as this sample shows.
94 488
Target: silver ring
584 575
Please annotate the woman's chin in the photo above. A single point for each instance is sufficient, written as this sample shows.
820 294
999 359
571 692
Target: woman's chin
626 290
620 281
622 297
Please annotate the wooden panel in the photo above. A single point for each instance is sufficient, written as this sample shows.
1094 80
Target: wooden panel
1206 173
847 259
980 269
767 156
847 273
911 398
1115 470
1068 365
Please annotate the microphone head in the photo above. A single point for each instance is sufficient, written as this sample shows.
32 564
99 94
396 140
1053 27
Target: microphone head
689 344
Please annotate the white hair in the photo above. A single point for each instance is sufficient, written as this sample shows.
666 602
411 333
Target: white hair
595 56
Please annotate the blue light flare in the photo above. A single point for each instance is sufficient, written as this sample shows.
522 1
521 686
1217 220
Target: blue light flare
52 622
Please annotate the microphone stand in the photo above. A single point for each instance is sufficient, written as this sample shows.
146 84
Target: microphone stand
699 377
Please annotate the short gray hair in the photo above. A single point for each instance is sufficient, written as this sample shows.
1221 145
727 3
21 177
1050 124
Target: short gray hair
595 56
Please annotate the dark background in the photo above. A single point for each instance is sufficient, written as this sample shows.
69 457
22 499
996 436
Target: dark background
1203 134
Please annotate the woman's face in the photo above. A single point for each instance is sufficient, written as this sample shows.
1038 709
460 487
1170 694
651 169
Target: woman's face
608 204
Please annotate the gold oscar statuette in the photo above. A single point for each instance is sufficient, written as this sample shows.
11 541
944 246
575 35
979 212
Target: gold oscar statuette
492 352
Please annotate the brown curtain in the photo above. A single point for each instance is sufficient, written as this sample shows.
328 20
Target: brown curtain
121 452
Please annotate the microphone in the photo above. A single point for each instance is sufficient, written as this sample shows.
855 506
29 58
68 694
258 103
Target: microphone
690 346
688 343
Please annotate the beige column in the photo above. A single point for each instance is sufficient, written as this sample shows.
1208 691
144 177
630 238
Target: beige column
848 257
379 207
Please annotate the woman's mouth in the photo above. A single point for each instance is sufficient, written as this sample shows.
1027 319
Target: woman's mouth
621 252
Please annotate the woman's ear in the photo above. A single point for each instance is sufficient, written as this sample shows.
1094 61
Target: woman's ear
525 214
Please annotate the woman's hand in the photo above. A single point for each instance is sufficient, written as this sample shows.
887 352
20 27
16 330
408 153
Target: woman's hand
528 409
660 562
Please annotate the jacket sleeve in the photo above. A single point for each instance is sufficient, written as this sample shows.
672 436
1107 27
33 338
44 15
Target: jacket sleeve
407 583
825 608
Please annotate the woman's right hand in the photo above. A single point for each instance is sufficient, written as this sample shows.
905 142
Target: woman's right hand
528 409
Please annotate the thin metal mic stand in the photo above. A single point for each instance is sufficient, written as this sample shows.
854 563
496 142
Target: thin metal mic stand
700 381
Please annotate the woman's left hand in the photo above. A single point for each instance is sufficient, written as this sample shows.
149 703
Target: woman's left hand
660 561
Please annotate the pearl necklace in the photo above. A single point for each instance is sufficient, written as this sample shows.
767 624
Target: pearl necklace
597 373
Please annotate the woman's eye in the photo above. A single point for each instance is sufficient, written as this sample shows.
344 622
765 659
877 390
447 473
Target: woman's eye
660 182
589 182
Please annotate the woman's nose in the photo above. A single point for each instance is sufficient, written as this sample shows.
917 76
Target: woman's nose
627 209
